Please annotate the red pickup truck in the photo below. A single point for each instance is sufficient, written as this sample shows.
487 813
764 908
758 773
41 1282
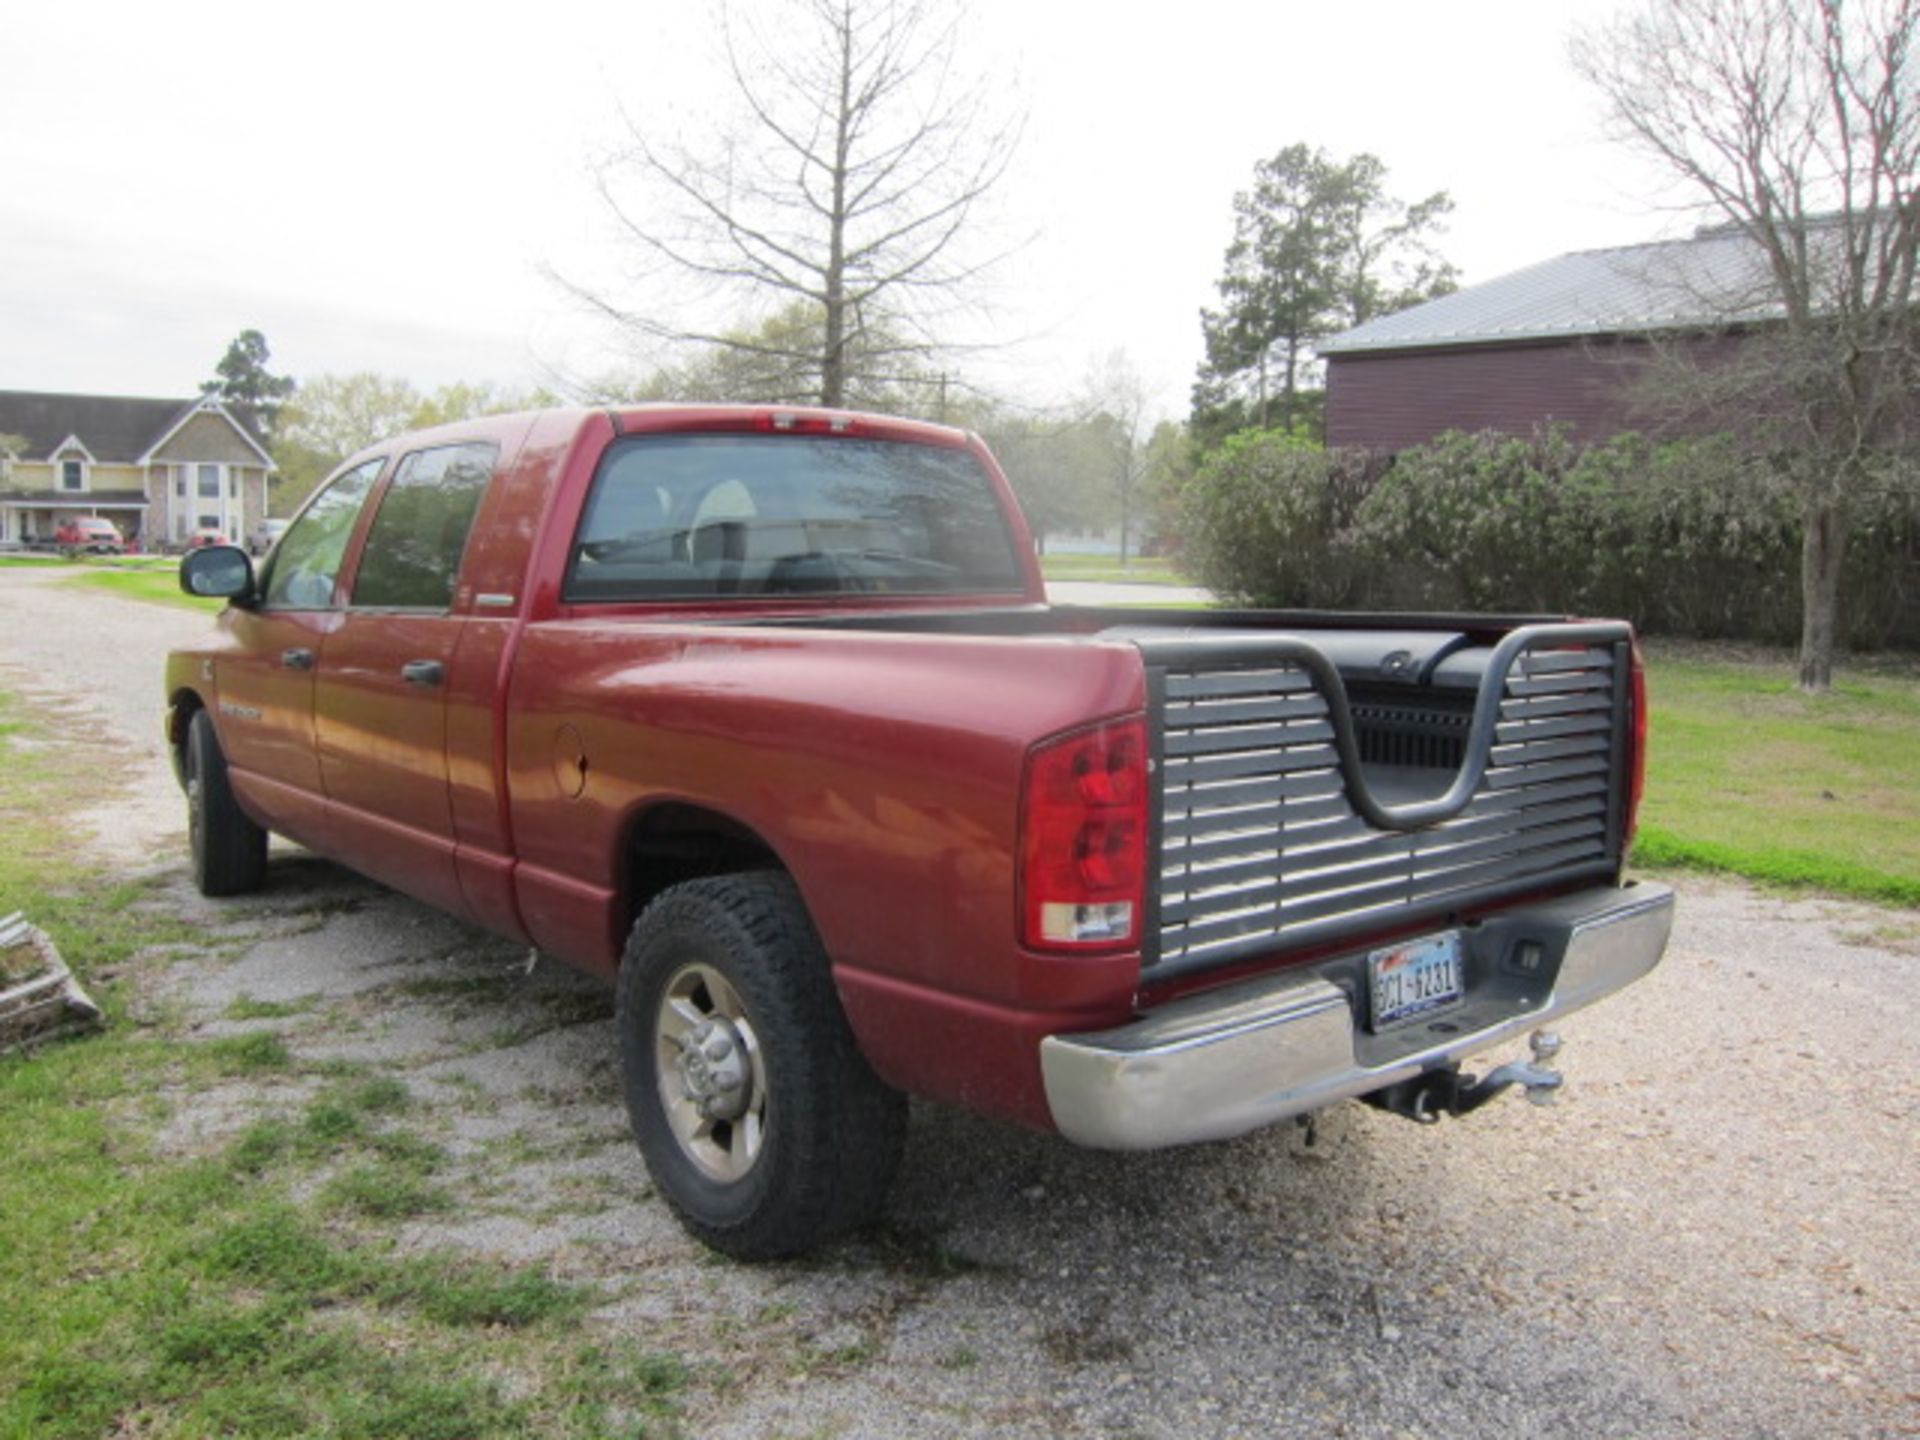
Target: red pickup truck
763 715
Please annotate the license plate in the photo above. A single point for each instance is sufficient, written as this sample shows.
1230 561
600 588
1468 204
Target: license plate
1416 978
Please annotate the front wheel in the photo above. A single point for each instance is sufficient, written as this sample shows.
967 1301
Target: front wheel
760 1120
229 849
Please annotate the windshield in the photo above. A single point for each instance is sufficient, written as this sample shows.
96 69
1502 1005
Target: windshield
754 515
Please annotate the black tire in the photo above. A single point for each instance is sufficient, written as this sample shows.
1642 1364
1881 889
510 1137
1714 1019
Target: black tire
814 1137
229 849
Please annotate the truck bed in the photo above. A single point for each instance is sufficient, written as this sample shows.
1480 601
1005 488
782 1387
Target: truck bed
1320 775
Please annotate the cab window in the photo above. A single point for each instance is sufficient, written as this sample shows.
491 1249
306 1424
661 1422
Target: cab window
412 555
747 515
306 562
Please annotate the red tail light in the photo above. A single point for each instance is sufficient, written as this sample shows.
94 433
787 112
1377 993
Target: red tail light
806 424
1083 839
1637 761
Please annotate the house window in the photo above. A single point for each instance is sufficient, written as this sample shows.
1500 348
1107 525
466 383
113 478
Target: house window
73 475
180 483
209 482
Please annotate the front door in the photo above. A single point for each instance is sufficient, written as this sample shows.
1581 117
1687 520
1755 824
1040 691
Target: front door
264 684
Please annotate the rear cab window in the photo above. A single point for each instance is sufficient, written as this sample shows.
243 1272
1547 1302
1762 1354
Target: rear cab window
748 516
411 560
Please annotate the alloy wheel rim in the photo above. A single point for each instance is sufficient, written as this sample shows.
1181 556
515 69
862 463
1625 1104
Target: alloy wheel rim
196 821
710 1072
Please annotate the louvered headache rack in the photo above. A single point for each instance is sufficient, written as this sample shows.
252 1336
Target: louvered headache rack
1267 838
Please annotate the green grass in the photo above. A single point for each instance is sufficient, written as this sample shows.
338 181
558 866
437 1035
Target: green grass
1107 568
1750 777
246 1007
254 1053
256 1289
156 586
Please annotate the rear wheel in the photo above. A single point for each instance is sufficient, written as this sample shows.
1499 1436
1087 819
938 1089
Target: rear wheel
760 1120
229 849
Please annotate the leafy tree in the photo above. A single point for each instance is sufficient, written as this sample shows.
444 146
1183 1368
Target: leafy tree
1056 469
1087 465
855 164
1114 400
1318 246
1170 462
242 378
336 415
12 447
1797 124
332 416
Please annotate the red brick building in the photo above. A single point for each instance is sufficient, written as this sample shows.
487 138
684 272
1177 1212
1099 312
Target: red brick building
1560 342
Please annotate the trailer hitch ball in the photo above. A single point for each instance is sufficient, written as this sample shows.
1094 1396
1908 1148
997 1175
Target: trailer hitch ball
1428 1097
1537 1076
1545 1045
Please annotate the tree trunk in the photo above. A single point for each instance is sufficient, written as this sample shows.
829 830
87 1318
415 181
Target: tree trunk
1820 559
1287 402
833 357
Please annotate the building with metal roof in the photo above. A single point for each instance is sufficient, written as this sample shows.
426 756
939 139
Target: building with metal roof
1555 343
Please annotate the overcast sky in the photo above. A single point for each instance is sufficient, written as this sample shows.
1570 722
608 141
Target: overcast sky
378 189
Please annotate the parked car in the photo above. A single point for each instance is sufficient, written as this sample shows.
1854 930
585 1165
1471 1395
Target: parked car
762 715
265 535
92 534
207 535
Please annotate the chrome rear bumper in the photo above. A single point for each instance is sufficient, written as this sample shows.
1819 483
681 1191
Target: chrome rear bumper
1234 1059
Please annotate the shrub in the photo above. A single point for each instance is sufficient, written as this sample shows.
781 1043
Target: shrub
1687 538
1265 521
1691 537
1484 521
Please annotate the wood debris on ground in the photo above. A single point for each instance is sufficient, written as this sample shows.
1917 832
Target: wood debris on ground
39 998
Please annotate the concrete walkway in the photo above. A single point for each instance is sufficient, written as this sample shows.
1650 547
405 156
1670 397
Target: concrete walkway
1091 592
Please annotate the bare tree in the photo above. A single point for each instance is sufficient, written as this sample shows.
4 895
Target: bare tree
1796 123
858 161
1114 404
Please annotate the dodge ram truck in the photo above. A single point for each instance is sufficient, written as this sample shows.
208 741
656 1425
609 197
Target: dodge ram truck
762 715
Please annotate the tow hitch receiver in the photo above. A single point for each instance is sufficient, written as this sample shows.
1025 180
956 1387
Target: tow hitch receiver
1425 1098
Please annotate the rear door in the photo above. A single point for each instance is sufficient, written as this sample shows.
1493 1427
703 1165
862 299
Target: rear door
380 701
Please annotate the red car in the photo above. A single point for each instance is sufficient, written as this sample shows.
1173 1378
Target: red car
90 533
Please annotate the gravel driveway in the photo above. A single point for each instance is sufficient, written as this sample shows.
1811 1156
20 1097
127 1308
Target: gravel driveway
1712 1234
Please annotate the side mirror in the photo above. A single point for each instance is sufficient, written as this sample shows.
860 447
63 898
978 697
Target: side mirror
221 572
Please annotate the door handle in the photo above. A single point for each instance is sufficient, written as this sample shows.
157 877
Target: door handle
298 658
423 672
